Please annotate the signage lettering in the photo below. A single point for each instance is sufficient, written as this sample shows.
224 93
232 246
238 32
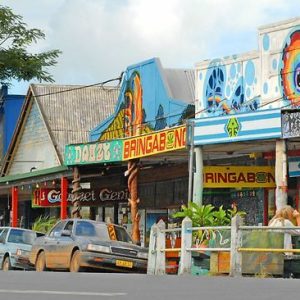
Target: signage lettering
159 142
47 197
238 176
93 153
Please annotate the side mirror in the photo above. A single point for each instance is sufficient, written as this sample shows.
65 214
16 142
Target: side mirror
66 233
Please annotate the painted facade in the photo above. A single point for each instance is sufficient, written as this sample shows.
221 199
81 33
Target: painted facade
146 103
263 79
10 108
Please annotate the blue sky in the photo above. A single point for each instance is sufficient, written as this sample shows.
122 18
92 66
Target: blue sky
100 38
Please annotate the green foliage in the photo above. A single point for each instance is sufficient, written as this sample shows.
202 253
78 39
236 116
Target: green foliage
207 215
44 223
15 61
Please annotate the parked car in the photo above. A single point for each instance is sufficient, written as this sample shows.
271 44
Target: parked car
15 246
75 244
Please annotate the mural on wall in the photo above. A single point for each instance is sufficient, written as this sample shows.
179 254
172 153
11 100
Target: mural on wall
290 68
228 89
130 119
144 105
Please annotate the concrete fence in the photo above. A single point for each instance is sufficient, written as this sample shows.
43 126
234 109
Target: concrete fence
158 250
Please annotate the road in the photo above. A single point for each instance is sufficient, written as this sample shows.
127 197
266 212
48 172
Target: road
18 285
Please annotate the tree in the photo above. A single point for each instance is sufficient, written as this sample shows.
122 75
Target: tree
15 60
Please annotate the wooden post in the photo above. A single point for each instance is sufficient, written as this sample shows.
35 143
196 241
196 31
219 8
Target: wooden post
185 263
76 197
281 174
160 266
152 251
236 241
64 198
14 206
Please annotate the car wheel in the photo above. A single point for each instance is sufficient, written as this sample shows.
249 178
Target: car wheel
40 264
6 264
75 262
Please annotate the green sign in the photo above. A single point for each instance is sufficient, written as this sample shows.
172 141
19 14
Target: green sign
233 127
82 154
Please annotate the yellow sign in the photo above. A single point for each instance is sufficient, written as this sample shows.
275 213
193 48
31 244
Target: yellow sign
239 177
155 143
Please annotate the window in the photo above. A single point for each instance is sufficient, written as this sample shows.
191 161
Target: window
69 226
56 231
21 237
84 228
3 235
122 234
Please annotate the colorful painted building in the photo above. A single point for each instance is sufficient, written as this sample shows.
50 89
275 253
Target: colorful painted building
146 134
240 100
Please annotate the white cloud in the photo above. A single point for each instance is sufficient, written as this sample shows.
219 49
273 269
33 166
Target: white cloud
100 38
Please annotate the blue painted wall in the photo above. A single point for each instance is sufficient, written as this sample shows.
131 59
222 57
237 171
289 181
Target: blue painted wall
10 110
144 104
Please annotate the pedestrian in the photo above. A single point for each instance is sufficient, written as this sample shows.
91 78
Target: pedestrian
287 217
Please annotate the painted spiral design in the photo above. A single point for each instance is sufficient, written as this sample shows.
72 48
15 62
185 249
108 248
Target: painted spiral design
76 197
290 72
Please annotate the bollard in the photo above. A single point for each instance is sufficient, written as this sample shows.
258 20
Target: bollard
236 241
160 266
152 250
185 263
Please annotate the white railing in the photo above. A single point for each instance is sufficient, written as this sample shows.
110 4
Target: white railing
158 250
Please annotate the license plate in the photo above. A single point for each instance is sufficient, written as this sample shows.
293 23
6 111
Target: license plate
124 263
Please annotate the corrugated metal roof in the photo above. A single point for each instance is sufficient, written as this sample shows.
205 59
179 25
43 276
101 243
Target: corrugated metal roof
181 83
72 111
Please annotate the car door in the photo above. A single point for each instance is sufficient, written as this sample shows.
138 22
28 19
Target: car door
53 260
65 244
3 236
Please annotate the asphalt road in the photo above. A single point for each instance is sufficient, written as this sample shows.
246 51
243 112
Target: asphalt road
18 285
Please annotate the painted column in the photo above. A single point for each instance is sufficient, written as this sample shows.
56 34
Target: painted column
132 173
198 176
64 198
75 192
14 206
281 174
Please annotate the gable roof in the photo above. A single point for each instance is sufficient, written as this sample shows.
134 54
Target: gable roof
69 112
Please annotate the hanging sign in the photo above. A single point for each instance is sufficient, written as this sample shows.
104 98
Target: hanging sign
291 124
52 197
154 143
239 177
83 154
294 166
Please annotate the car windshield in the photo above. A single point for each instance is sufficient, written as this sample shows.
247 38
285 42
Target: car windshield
21 236
100 230
84 228
122 235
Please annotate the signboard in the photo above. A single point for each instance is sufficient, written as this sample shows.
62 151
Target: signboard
258 125
154 143
290 124
83 154
124 149
239 177
52 197
294 166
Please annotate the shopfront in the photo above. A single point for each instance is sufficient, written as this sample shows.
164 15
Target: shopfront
163 177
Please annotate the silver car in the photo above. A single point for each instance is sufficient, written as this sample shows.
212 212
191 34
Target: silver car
76 244
15 246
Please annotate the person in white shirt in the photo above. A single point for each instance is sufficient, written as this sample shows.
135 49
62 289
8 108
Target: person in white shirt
287 217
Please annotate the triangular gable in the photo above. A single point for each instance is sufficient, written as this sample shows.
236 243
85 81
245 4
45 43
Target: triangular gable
32 147
145 104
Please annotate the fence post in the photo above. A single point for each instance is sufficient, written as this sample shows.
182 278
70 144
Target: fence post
152 250
236 241
160 266
185 263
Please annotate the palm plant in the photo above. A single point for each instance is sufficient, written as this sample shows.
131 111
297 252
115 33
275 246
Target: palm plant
44 223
